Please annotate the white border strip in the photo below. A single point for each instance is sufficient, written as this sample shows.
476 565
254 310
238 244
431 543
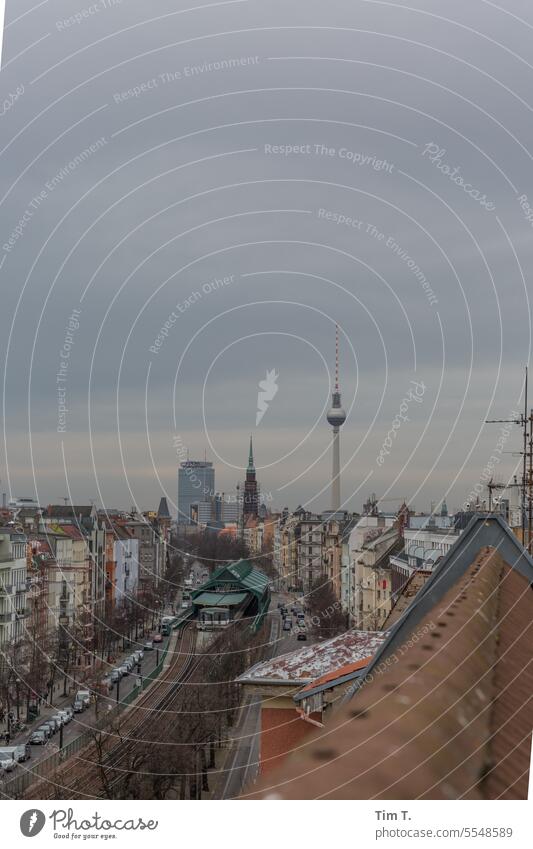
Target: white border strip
2 15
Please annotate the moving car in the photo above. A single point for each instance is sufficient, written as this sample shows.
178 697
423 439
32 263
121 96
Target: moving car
78 706
287 624
84 696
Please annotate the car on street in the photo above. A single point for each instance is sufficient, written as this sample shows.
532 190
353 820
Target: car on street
38 738
46 730
66 714
124 670
148 646
20 753
157 638
287 624
115 676
184 605
302 635
8 762
59 719
138 655
78 706
54 724
84 696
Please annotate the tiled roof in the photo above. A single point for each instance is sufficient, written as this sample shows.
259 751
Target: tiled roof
331 679
68 530
62 511
307 664
446 707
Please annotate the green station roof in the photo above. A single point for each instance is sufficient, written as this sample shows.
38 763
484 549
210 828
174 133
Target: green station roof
220 599
229 585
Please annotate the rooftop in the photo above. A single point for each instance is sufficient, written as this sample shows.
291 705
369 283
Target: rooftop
445 710
306 665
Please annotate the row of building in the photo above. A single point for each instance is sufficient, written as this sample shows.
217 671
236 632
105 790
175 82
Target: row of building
369 559
67 570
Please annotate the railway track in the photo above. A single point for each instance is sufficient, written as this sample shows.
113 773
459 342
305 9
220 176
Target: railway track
93 773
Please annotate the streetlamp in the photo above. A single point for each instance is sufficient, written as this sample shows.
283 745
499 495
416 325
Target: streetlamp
17 693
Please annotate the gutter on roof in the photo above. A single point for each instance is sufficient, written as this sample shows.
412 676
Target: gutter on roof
302 714
291 682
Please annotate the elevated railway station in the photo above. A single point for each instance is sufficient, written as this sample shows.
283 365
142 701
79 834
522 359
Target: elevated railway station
234 591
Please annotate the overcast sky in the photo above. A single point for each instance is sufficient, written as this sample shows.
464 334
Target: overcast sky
244 175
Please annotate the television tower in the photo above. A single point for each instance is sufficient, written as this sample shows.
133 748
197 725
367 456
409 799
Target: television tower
336 417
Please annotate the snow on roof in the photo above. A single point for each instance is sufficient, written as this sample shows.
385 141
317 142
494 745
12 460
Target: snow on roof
307 664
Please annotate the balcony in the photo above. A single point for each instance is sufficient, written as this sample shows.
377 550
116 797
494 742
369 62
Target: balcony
7 589
5 618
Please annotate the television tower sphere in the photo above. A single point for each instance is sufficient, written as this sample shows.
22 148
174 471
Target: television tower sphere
336 415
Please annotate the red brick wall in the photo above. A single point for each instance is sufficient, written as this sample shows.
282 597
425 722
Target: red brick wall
282 730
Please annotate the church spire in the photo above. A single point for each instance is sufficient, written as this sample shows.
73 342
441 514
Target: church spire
251 456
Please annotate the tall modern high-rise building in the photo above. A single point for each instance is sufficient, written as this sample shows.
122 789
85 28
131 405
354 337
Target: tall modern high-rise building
251 490
196 484
336 418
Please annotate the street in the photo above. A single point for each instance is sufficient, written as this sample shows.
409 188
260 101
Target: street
243 759
85 721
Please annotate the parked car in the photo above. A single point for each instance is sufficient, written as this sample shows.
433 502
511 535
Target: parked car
46 730
20 753
38 738
148 646
184 605
138 655
66 715
157 638
8 762
54 724
124 670
115 676
60 720
78 706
